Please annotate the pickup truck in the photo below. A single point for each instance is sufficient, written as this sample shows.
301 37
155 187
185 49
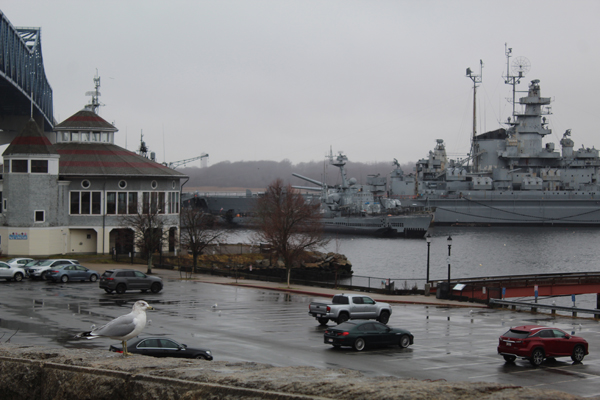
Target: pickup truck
350 306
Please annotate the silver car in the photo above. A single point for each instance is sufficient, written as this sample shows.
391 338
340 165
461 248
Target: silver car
39 269
9 272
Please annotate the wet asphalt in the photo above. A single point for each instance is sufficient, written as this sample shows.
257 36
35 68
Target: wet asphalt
265 323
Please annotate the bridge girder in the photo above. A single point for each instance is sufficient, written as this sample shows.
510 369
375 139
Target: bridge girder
22 79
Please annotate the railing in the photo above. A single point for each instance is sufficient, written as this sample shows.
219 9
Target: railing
553 308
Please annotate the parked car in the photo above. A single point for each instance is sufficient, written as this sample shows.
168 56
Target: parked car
536 343
66 273
163 347
19 262
349 306
39 269
10 272
360 334
121 280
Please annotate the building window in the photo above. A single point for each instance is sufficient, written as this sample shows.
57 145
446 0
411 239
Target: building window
85 136
3 205
86 203
161 202
145 202
153 203
104 137
153 184
122 203
39 166
65 136
7 166
75 137
122 184
173 184
39 216
95 136
111 202
85 184
19 166
133 203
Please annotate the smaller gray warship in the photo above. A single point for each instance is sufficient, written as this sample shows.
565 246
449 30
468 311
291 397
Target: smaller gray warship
365 209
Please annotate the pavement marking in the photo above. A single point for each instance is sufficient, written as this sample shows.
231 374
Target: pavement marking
456 366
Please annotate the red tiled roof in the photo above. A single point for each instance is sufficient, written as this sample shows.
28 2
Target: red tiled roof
105 159
30 141
86 120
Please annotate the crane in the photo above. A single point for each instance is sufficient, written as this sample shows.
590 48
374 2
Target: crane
176 164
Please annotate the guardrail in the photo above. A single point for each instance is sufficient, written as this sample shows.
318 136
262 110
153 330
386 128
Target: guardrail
553 308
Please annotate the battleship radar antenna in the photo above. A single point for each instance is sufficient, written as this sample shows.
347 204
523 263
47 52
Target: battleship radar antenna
476 79
520 67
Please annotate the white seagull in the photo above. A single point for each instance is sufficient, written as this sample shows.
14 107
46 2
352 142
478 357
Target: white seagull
124 327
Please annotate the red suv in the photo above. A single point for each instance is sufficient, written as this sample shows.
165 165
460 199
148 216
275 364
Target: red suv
536 343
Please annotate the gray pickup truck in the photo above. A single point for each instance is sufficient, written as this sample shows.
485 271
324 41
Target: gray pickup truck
350 306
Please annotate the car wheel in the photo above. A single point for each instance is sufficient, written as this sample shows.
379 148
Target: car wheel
64 279
43 276
359 344
578 353
156 287
18 277
537 357
108 290
200 357
510 359
342 318
323 321
93 278
384 317
404 341
121 288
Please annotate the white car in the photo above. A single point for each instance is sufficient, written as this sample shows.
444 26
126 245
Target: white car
39 269
19 262
10 272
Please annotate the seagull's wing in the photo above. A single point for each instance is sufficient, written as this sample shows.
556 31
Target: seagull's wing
118 327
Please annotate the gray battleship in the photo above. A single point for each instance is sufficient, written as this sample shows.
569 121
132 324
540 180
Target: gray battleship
510 177
366 209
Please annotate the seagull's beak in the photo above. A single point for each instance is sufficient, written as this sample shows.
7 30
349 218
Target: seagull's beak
151 308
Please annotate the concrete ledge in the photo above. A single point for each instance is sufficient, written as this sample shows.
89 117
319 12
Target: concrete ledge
38 373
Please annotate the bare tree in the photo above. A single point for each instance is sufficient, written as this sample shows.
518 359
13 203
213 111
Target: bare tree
288 224
199 229
149 231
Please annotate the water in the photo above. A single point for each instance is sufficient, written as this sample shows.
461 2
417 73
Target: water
475 252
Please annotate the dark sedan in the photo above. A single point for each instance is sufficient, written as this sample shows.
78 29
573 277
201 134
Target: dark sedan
360 334
161 347
66 273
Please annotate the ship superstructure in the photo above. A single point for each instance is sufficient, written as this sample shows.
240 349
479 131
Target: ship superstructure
510 176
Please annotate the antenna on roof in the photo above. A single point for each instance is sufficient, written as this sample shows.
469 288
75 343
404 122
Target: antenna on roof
95 102
143 150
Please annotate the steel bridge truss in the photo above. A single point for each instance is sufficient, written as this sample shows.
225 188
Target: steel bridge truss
22 69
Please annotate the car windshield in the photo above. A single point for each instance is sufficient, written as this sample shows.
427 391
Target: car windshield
32 263
45 263
346 326
12 260
515 334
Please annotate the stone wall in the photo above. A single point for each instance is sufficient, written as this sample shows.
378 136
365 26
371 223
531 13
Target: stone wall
28 372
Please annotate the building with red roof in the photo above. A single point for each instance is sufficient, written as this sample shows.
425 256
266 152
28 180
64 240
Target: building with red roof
70 195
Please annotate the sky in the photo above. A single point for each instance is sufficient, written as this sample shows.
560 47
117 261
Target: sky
253 80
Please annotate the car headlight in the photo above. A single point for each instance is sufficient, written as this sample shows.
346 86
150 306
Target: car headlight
208 352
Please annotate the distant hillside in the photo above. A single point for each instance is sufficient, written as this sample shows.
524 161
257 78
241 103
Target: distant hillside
259 174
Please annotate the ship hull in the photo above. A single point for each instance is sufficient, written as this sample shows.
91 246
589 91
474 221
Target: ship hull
390 226
522 212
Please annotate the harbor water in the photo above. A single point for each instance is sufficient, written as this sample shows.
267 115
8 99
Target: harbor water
474 252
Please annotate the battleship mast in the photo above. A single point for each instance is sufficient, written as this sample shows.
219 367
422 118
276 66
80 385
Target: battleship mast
476 79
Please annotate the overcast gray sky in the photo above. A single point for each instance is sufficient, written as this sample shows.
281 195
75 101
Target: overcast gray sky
273 80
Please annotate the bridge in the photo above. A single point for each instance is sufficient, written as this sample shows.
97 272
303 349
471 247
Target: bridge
24 88
504 287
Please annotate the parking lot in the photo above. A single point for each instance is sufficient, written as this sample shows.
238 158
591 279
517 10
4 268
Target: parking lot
270 326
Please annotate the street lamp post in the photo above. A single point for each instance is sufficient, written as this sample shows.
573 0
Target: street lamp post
449 252
428 238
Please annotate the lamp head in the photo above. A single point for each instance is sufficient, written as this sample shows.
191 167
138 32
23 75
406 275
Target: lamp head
428 238
449 240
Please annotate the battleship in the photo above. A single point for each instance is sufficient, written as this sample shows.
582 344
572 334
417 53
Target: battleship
352 208
510 177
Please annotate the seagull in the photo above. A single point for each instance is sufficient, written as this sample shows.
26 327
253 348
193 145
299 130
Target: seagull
214 306
124 327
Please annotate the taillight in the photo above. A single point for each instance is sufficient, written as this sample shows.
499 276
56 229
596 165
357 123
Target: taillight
328 308
109 279
343 334
53 272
